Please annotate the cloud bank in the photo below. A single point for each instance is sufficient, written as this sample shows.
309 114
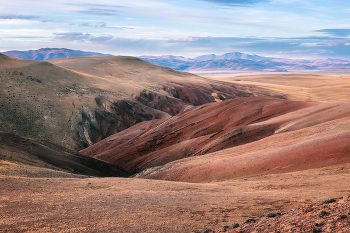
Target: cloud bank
336 32
17 16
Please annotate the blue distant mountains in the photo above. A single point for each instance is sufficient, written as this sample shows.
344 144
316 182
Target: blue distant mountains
51 53
245 62
235 60
211 62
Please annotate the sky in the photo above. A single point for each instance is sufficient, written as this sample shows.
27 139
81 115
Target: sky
189 28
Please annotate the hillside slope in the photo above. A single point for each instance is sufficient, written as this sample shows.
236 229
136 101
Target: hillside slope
98 97
44 154
197 131
312 137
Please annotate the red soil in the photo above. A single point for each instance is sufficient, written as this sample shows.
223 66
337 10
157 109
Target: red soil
331 215
318 137
197 131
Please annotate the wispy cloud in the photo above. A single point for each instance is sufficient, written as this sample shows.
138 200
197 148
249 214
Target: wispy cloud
101 38
235 2
81 37
95 5
97 9
17 16
104 25
72 36
344 32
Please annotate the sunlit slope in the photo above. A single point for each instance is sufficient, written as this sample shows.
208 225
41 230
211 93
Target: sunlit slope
197 131
41 100
306 87
312 137
149 83
77 109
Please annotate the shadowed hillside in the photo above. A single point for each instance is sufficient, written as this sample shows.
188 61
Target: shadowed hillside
44 154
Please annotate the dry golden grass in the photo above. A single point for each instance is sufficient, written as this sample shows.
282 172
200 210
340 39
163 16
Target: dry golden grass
49 204
305 87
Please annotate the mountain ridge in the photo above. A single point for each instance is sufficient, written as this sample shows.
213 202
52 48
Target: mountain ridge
245 62
236 61
44 54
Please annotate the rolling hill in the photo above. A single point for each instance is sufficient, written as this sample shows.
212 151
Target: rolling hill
308 138
76 102
197 131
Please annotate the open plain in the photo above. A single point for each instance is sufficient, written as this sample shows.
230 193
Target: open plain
44 201
326 86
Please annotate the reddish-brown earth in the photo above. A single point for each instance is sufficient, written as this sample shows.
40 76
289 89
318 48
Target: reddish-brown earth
331 215
197 131
41 200
312 137
233 138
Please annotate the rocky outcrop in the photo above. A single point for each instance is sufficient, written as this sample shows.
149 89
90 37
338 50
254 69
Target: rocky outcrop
320 217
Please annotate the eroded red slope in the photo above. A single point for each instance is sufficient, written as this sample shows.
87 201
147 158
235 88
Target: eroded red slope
316 136
197 131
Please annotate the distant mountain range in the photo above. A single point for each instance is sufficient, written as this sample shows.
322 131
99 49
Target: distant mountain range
245 62
211 62
51 53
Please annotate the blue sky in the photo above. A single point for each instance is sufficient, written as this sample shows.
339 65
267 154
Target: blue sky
278 28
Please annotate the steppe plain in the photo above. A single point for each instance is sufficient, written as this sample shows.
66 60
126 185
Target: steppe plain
285 146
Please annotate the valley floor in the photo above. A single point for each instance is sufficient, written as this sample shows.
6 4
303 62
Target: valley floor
42 200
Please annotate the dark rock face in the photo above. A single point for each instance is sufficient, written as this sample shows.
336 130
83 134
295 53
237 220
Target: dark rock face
329 201
163 103
323 213
111 118
250 220
271 215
